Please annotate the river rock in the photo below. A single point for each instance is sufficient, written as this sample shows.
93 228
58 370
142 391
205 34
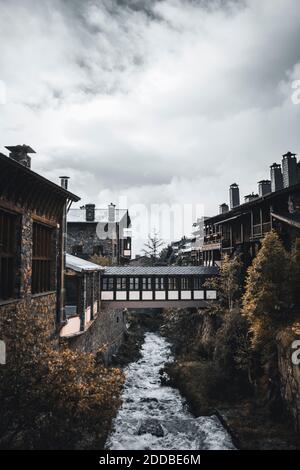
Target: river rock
151 426
149 400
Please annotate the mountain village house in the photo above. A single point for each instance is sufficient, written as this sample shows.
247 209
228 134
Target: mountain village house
240 228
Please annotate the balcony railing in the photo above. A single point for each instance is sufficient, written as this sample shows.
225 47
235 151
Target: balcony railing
212 238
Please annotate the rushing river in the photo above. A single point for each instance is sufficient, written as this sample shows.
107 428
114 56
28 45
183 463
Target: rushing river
155 417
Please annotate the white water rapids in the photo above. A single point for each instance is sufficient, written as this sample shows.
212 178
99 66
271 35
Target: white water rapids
149 406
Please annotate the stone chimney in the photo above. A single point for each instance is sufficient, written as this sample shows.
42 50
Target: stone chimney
111 212
289 169
276 177
90 212
64 181
19 153
234 195
264 187
223 208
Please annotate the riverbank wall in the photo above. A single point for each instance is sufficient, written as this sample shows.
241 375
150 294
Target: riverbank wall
106 333
207 374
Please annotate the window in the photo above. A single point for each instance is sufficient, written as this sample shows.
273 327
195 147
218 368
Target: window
77 250
107 283
7 254
172 283
159 283
97 250
41 259
121 283
197 283
147 284
184 283
134 283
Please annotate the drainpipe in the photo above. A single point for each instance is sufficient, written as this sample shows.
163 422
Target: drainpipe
62 313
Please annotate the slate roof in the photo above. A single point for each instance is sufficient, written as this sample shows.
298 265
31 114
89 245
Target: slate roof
101 215
161 270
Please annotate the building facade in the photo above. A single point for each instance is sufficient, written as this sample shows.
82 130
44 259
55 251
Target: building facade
188 250
241 229
31 239
103 232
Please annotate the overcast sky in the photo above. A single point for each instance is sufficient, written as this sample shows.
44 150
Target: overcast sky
165 101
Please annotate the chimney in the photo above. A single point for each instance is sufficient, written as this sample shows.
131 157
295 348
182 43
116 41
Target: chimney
289 169
264 187
223 208
234 195
19 153
111 212
250 197
64 180
276 177
90 212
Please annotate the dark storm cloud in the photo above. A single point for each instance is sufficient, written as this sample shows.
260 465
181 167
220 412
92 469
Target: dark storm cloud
169 99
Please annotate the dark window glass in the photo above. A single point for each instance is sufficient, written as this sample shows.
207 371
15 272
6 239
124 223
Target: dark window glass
147 284
121 283
159 283
134 283
197 283
41 258
77 250
108 283
8 226
172 283
184 283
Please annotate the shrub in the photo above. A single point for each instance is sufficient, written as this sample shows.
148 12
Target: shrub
52 398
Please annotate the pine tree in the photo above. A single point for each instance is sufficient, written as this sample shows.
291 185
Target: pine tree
228 283
266 300
295 275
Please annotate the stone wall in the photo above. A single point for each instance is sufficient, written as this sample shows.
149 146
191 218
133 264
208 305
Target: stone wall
106 331
289 375
85 235
41 304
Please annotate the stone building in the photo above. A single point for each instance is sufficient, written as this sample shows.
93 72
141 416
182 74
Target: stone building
104 232
36 276
241 229
32 212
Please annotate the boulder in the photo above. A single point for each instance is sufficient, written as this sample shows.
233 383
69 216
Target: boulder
151 426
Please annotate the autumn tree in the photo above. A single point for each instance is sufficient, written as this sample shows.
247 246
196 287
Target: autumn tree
52 397
266 300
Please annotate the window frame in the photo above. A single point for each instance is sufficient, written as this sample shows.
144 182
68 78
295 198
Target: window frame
42 279
8 254
134 283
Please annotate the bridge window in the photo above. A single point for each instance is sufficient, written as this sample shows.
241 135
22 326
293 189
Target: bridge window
197 283
108 283
134 283
147 284
121 283
184 283
159 283
172 283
